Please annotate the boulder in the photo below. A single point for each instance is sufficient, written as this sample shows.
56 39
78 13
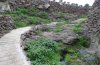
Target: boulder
45 6
27 36
4 6
6 24
67 37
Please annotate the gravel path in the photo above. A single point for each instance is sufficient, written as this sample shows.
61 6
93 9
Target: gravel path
10 51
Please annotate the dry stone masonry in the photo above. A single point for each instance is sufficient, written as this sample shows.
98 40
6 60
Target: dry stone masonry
92 29
68 8
6 24
51 6
41 4
4 6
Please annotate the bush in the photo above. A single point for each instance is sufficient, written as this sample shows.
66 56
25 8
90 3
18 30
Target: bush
78 28
59 27
20 24
43 52
33 11
83 41
83 16
43 15
37 20
73 55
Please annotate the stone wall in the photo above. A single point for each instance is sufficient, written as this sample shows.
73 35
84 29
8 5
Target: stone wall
52 6
6 24
28 3
4 6
92 28
68 8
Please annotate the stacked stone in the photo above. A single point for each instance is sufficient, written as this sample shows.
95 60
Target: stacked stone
68 8
4 6
6 24
27 3
92 28
19 3
52 6
96 3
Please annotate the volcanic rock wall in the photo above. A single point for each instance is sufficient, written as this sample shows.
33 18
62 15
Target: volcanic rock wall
28 3
6 24
52 6
4 6
68 8
92 28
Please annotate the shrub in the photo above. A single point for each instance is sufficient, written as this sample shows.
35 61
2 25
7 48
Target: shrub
37 20
20 24
83 16
77 28
33 11
84 41
43 52
73 55
43 15
59 27
24 20
22 10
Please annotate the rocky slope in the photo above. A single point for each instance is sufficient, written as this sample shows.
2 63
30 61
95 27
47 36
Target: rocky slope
66 35
60 32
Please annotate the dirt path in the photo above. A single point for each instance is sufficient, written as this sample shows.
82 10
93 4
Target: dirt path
10 51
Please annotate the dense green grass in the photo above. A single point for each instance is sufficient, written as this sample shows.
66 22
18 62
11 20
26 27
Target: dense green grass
28 16
43 52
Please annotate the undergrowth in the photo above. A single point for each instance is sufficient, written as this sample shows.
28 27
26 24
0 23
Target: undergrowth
28 16
43 52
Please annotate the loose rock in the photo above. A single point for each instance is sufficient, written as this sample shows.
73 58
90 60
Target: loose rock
6 24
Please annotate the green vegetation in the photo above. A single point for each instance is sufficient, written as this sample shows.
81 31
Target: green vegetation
79 27
76 54
83 41
74 57
83 16
28 16
62 17
59 27
43 52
